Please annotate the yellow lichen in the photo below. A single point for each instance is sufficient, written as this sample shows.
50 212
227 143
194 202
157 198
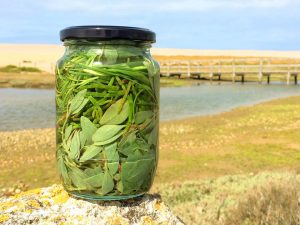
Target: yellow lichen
16 206
146 220
3 218
117 220
33 203
28 211
66 223
46 203
79 218
32 192
57 189
61 197
157 205
6 205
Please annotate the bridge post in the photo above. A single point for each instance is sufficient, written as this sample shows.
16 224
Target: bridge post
288 77
295 71
211 73
260 73
189 69
233 71
268 78
295 75
168 68
289 74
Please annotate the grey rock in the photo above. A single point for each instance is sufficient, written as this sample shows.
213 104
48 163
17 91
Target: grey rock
53 205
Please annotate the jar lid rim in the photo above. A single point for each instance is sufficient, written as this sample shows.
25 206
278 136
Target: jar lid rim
102 32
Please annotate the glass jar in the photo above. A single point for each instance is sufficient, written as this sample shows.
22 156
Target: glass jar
107 105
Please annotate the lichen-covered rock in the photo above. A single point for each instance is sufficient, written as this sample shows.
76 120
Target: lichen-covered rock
52 205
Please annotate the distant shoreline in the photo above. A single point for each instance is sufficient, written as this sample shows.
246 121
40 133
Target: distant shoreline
47 81
44 56
27 80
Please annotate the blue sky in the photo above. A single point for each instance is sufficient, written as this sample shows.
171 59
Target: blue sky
196 24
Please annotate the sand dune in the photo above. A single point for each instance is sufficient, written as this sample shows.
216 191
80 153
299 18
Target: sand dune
44 56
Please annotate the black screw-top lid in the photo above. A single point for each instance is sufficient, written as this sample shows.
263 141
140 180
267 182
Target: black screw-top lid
107 33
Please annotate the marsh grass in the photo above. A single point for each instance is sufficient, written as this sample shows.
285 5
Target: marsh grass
175 82
244 140
266 198
16 69
273 204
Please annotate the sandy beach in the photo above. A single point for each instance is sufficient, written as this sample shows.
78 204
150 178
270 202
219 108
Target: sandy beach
44 56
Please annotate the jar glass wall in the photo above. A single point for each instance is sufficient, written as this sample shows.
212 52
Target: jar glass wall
107 104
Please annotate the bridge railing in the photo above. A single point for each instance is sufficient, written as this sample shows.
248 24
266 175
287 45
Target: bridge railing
188 68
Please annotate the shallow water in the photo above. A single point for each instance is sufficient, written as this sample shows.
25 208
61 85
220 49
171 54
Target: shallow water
35 108
190 101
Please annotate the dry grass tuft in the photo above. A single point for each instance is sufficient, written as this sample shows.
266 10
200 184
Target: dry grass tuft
274 204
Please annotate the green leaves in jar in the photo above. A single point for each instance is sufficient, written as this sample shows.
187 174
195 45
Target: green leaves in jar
117 113
107 125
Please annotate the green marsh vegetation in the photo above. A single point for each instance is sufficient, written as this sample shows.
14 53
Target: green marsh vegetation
175 82
25 77
209 167
17 69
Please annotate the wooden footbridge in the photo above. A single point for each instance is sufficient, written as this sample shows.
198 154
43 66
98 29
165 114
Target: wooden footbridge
286 70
